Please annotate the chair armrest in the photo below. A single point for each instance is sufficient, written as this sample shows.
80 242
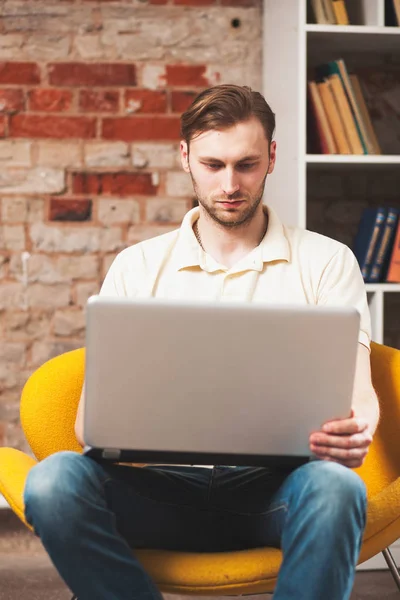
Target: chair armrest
14 468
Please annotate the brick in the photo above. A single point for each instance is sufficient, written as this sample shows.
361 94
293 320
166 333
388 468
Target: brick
120 184
3 126
158 2
90 47
31 181
100 74
70 209
12 237
111 211
139 233
35 126
165 156
244 3
11 45
11 100
13 352
14 210
179 184
106 154
165 210
66 239
83 291
11 295
35 210
78 267
141 128
153 77
50 100
195 2
99 101
47 47
180 101
15 153
145 101
62 269
69 322
55 153
39 295
23 73
183 75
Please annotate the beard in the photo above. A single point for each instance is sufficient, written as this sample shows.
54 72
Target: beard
230 218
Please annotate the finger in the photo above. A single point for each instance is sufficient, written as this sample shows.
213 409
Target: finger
357 440
339 453
354 425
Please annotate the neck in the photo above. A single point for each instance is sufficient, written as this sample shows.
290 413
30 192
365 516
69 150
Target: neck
228 245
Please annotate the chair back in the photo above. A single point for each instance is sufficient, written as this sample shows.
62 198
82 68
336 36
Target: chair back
382 464
49 403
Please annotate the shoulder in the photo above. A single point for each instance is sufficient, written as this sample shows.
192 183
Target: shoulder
147 251
307 244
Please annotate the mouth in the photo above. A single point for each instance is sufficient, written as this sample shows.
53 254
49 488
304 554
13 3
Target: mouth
232 204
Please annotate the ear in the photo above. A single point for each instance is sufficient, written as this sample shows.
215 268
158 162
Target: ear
184 156
272 157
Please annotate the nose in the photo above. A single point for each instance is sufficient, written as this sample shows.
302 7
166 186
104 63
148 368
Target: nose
229 184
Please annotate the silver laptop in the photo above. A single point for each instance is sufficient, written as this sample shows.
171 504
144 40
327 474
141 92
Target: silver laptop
179 382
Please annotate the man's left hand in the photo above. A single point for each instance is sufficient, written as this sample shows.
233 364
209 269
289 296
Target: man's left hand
345 441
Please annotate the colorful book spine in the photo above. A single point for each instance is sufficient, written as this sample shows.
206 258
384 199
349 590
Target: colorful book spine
382 250
369 229
393 274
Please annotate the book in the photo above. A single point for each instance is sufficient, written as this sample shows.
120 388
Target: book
330 12
369 229
364 112
393 273
334 118
338 67
323 12
383 247
392 13
325 136
340 10
396 6
346 114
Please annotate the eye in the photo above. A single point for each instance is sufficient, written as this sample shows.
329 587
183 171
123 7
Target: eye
213 166
246 166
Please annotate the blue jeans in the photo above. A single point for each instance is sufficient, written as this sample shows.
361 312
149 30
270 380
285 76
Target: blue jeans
89 516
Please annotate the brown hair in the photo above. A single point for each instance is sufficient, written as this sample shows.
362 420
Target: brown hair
223 106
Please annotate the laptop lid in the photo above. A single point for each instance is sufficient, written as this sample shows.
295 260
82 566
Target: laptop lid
214 383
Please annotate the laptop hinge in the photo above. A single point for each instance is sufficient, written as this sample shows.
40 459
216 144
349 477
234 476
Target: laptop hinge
111 453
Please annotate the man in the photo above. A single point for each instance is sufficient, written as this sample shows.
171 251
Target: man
88 516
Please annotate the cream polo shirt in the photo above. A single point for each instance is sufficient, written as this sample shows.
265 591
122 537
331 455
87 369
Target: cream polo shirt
291 265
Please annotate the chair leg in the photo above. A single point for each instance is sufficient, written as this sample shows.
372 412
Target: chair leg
392 566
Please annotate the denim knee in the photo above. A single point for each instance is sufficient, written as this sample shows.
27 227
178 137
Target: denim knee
56 488
332 487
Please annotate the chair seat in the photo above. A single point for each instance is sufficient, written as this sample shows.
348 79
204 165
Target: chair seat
215 573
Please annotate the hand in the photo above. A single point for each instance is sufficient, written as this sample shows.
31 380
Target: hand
345 441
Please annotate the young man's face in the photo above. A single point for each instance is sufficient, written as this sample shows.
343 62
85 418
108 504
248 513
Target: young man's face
228 168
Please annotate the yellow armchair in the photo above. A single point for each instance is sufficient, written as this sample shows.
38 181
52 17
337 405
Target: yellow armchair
48 407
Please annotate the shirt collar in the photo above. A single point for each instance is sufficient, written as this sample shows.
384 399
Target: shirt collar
274 246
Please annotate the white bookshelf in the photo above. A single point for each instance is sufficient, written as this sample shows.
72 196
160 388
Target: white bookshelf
290 47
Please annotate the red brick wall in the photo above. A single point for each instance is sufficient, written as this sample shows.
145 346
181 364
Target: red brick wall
90 98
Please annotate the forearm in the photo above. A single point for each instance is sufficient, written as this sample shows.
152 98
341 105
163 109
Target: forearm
366 406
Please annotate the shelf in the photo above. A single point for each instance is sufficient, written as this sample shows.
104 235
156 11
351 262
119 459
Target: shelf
382 287
371 160
353 38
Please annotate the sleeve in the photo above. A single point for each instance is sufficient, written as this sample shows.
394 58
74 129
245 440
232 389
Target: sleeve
342 284
114 283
